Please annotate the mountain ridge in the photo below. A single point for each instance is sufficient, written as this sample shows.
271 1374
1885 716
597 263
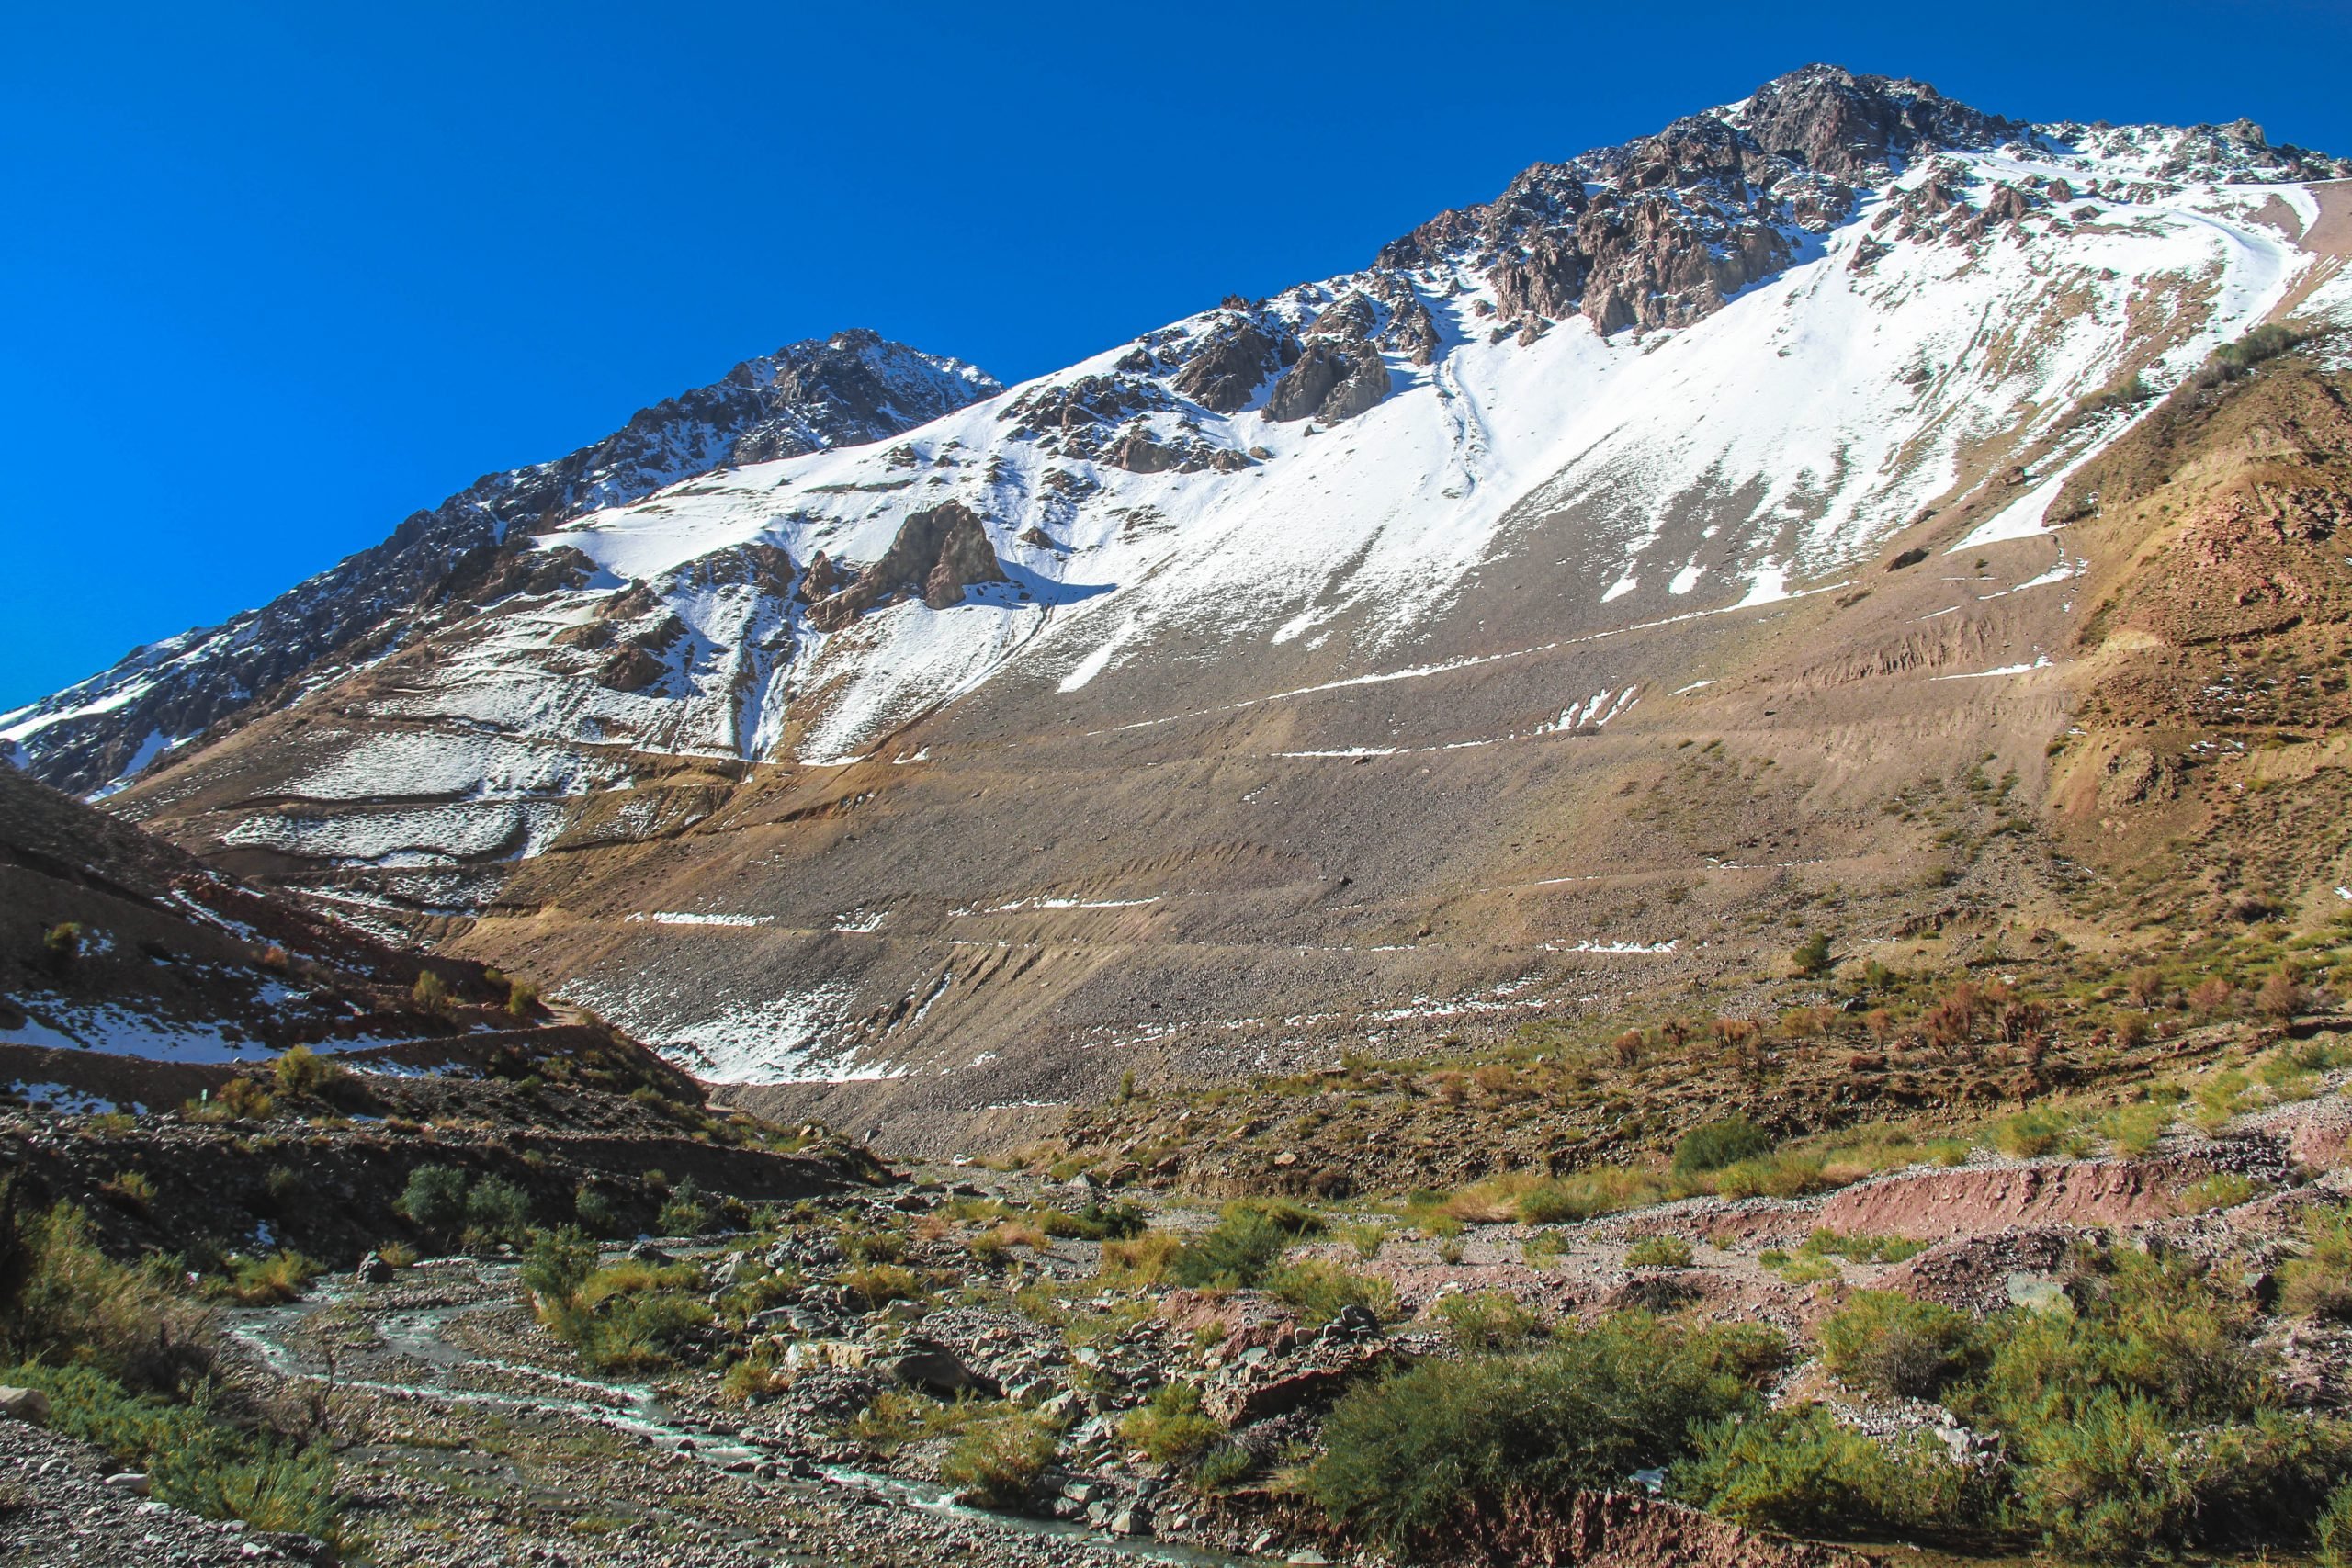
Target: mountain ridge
98 733
1489 631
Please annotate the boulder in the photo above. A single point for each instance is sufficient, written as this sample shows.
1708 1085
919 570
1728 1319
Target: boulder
373 1270
22 1404
933 1368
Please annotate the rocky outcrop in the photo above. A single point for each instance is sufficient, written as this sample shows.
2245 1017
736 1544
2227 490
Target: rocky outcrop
1937 1204
1062 409
1842 124
1331 381
1231 362
1139 451
937 554
1661 232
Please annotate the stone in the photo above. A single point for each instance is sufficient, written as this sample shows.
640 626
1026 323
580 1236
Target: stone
936 1369
22 1404
373 1270
129 1480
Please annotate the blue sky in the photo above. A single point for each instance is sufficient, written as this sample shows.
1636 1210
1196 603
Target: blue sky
274 276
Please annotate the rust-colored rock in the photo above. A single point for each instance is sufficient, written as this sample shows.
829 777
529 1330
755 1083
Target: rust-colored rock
1938 1204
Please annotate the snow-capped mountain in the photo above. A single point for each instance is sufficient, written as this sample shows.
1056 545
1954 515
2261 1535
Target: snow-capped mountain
473 549
1265 671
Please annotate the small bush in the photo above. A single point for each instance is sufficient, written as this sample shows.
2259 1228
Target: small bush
1719 1143
2222 1189
996 1465
1485 1322
1235 1253
2332 1532
131 1188
435 1197
2319 1283
68 1302
2136 1130
1145 1260
1659 1252
1171 1426
2116 1483
1811 959
2265 342
301 1070
1322 1290
497 1210
555 1265
596 1213
1223 1468
430 992
1788 1174
1864 1248
265 1281
882 1283
684 1213
1892 1344
1434 1455
1587 1195
2030 1135
1804 1471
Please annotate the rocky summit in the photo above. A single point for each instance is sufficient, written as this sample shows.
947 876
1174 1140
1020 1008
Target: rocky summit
1664 879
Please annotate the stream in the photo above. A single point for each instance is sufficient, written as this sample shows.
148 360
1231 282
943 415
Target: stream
422 1336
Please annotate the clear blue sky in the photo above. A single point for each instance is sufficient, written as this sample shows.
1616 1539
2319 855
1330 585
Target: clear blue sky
273 276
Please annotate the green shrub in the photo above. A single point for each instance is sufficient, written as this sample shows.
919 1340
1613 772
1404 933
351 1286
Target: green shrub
1894 1345
1484 1321
2222 1189
1863 1249
2145 1327
2332 1532
1659 1252
2116 1483
1787 1174
1811 959
596 1213
68 1302
1719 1143
1437 1453
1223 1468
684 1213
2267 341
1805 1471
882 1283
1235 1253
555 1265
2319 1283
265 1281
303 1071
1322 1290
995 1464
430 992
193 1458
1587 1195
1171 1426
2030 1135
434 1198
497 1210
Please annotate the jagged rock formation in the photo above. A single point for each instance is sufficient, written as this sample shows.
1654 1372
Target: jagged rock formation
937 554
